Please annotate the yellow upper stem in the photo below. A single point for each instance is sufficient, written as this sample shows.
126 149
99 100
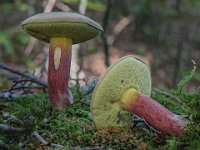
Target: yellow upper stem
59 45
129 97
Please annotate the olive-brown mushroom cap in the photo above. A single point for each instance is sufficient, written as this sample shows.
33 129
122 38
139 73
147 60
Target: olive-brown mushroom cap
57 24
128 72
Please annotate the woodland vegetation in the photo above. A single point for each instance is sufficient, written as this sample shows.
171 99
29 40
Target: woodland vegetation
164 34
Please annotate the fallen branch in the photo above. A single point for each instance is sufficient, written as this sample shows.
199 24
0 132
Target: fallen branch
10 95
168 95
12 118
151 128
44 142
22 88
10 129
24 84
23 73
8 75
27 79
137 121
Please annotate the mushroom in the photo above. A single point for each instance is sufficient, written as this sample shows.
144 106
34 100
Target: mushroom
61 30
125 89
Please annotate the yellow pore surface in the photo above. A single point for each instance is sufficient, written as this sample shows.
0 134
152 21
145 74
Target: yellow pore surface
128 72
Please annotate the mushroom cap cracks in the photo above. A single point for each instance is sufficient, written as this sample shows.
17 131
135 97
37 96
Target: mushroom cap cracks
57 24
128 72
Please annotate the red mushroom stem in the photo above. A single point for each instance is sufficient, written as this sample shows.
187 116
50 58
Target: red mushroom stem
59 72
154 113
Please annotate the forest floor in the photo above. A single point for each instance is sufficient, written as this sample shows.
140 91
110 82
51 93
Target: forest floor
29 122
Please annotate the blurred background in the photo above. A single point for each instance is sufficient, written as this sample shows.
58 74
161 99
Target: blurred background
164 34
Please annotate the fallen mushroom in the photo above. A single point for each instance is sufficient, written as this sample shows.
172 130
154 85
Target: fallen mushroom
61 29
125 89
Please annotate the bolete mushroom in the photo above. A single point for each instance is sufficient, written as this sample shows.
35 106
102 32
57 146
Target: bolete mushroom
125 89
61 30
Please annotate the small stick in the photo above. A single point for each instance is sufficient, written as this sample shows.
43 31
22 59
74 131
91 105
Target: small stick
24 73
151 128
44 142
12 118
168 95
24 87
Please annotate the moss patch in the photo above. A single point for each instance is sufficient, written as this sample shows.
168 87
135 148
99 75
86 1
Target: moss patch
74 127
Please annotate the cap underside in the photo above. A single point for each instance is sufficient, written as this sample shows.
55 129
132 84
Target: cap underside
126 73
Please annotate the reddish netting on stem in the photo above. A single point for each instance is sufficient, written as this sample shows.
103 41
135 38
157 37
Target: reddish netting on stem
58 89
157 116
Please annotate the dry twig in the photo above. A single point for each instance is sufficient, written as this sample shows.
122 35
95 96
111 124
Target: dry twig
44 142
23 73
176 99
12 118
151 128
25 82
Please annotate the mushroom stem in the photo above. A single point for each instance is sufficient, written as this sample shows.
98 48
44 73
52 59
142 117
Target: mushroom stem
154 113
59 72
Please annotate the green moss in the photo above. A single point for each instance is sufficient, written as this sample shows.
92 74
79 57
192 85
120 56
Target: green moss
73 127
190 108
187 78
118 139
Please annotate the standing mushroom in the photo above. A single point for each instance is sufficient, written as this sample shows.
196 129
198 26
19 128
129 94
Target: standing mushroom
61 30
126 88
